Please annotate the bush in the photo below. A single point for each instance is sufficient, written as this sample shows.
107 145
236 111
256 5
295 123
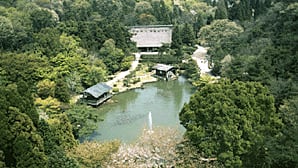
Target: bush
115 90
94 154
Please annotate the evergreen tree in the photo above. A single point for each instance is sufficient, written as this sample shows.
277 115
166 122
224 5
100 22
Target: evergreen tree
221 10
241 11
176 37
188 35
231 121
62 92
19 140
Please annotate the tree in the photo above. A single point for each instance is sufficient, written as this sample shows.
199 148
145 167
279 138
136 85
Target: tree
24 67
221 11
6 31
219 31
21 144
84 120
231 121
62 92
41 18
57 156
154 149
16 26
94 154
111 55
161 11
283 151
144 12
219 36
62 131
47 42
188 37
45 88
191 70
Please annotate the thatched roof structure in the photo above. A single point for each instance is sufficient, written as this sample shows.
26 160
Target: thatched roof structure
151 35
97 90
163 67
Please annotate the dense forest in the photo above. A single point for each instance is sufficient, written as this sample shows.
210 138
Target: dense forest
51 50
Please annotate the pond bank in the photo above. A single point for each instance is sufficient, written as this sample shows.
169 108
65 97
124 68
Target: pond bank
126 114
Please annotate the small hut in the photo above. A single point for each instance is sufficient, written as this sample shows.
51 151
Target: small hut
97 94
165 71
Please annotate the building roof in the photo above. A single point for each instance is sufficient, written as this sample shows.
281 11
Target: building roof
98 89
163 67
151 35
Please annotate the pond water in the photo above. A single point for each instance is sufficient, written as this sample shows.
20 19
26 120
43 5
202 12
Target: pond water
128 115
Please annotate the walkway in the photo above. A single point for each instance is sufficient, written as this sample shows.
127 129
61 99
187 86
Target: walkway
200 57
123 74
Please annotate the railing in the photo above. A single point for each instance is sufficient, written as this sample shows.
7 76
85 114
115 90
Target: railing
99 101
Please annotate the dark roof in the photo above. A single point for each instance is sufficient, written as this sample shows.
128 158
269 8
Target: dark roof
163 67
98 89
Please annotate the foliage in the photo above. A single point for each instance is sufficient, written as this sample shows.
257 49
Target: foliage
49 105
188 37
264 53
221 11
2 161
152 149
83 119
52 49
58 158
45 88
53 149
62 129
190 70
41 18
283 149
111 55
24 67
189 156
230 121
219 31
21 144
94 154
62 92
219 37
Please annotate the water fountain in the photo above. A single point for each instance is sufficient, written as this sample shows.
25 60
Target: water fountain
150 122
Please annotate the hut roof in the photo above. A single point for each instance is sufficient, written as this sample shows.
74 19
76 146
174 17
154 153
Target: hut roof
152 35
98 89
163 67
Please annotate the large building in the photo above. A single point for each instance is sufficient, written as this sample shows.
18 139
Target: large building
151 37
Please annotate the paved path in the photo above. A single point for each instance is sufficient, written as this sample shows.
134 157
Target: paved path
123 74
200 57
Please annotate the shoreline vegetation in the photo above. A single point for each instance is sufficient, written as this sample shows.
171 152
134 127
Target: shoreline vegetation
136 79
244 112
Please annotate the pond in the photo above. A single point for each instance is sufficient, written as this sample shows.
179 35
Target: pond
127 116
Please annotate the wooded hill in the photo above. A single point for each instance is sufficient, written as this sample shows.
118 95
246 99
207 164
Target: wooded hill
51 50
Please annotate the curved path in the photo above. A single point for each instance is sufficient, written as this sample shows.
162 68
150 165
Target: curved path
200 57
123 74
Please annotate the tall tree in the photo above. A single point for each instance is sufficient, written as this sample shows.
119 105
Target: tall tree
230 121
221 10
19 140
188 37
220 37
41 18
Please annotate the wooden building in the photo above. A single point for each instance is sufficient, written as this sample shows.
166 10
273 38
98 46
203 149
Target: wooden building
97 94
150 38
165 71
